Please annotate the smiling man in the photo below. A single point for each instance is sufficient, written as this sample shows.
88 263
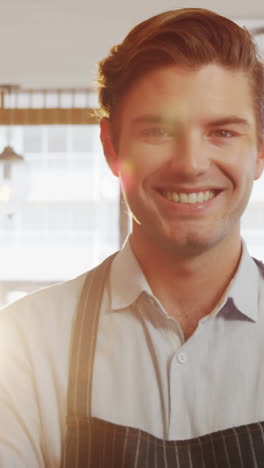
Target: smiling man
187 153
155 358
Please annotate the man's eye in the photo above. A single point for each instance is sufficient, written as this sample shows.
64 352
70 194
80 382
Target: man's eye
223 133
156 132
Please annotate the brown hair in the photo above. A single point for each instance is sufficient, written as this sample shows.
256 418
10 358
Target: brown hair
189 36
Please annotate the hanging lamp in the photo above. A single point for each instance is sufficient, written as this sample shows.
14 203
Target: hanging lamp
14 173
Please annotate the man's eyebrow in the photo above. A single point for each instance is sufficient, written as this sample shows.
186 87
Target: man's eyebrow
230 120
152 118
149 118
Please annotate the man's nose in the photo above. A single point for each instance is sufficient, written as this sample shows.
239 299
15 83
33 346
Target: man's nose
190 156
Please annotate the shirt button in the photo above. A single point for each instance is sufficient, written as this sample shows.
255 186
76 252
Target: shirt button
182 358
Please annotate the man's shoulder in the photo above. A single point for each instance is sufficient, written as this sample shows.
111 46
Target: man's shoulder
60 298
44 310
41 297
45 315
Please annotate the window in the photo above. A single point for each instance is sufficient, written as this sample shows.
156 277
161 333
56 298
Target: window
70 220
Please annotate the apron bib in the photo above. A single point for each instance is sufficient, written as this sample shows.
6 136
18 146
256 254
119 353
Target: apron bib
94 443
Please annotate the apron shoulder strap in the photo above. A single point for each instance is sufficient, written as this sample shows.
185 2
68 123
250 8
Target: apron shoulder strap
83 342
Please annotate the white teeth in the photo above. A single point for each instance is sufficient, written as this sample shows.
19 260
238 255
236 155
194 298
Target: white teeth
174 197
183 198
190 198
200 197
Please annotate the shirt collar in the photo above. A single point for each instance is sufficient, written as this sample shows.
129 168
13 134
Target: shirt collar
127 282
244 288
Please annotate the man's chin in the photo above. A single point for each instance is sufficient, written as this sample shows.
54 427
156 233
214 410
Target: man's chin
189 245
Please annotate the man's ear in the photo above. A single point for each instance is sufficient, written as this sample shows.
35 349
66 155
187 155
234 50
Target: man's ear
260 160
108 146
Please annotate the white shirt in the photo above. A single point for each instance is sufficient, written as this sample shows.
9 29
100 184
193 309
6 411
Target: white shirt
145 375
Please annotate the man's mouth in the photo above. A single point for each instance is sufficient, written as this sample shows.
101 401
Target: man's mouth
190 198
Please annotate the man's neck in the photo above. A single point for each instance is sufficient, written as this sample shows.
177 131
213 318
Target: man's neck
188 287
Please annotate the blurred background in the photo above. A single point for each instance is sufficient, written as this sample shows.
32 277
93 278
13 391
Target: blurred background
60 208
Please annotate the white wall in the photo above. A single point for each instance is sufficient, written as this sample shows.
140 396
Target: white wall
58 42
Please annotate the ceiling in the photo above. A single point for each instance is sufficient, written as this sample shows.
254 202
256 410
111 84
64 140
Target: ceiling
56 43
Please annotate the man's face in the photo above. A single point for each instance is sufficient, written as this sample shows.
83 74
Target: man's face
187 155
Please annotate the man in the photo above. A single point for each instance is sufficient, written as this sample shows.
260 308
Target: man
154 359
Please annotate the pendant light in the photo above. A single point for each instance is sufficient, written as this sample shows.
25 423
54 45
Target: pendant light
14 173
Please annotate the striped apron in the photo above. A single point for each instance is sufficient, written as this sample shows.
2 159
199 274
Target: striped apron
94 443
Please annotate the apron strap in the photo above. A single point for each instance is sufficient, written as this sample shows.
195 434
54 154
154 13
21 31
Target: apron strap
83 344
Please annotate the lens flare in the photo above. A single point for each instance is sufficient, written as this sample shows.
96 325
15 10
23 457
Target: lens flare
127 172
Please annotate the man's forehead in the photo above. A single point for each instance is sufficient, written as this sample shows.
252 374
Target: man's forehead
213 73
172 91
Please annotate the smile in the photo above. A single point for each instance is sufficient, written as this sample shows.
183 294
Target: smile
190 198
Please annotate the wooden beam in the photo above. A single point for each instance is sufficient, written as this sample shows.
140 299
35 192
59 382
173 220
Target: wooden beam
49 116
